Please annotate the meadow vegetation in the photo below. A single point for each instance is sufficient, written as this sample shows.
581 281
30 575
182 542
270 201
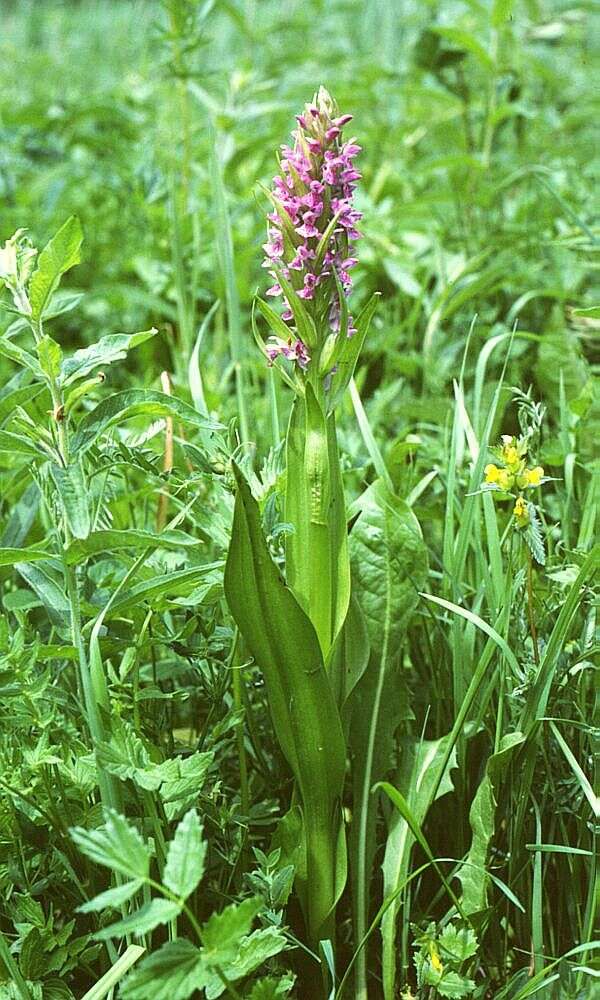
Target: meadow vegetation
298 629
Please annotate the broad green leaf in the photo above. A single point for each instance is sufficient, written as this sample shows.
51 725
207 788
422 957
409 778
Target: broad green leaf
113 347
72 489
153 914
389 564
223 932
50 356
58 256
305 717
134 403
457 944
185 858
253 951
116 845
174 972
112 898
421 781
113 540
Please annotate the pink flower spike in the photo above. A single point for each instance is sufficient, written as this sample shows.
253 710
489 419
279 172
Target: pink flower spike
332 133
274 290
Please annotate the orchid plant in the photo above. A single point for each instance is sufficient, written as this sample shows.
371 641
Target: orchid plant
294 626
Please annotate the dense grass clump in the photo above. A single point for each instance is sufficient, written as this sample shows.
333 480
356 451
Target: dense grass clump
298 584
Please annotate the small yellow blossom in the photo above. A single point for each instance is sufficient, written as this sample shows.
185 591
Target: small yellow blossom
436 961
534 476
521 513
498 477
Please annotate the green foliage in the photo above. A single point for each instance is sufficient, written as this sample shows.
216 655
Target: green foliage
457 665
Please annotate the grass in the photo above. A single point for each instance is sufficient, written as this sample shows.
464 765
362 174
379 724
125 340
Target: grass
143 751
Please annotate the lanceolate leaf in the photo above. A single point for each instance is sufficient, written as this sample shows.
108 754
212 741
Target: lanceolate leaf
72 488
420 781
60 254
134 403
112 898
305 717
113 347
111 540
349 351
153 914
482 819
185 858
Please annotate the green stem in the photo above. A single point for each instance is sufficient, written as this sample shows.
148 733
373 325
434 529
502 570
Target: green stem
13 969
238 703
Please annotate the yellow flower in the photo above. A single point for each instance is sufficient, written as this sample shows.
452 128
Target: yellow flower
521 513
498 477
436 962
534 476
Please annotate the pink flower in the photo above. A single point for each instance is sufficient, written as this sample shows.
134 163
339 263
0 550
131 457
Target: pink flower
315 185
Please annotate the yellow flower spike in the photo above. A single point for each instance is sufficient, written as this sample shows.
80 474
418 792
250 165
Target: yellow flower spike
491 473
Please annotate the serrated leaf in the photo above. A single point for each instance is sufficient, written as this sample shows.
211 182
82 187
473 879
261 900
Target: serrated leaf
222 933
134 403
153 914
457 944
72 489
116 845
254 950
448 984
113 347
184 867
60 254
111 898
270 988
534 537
50 356
173 972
